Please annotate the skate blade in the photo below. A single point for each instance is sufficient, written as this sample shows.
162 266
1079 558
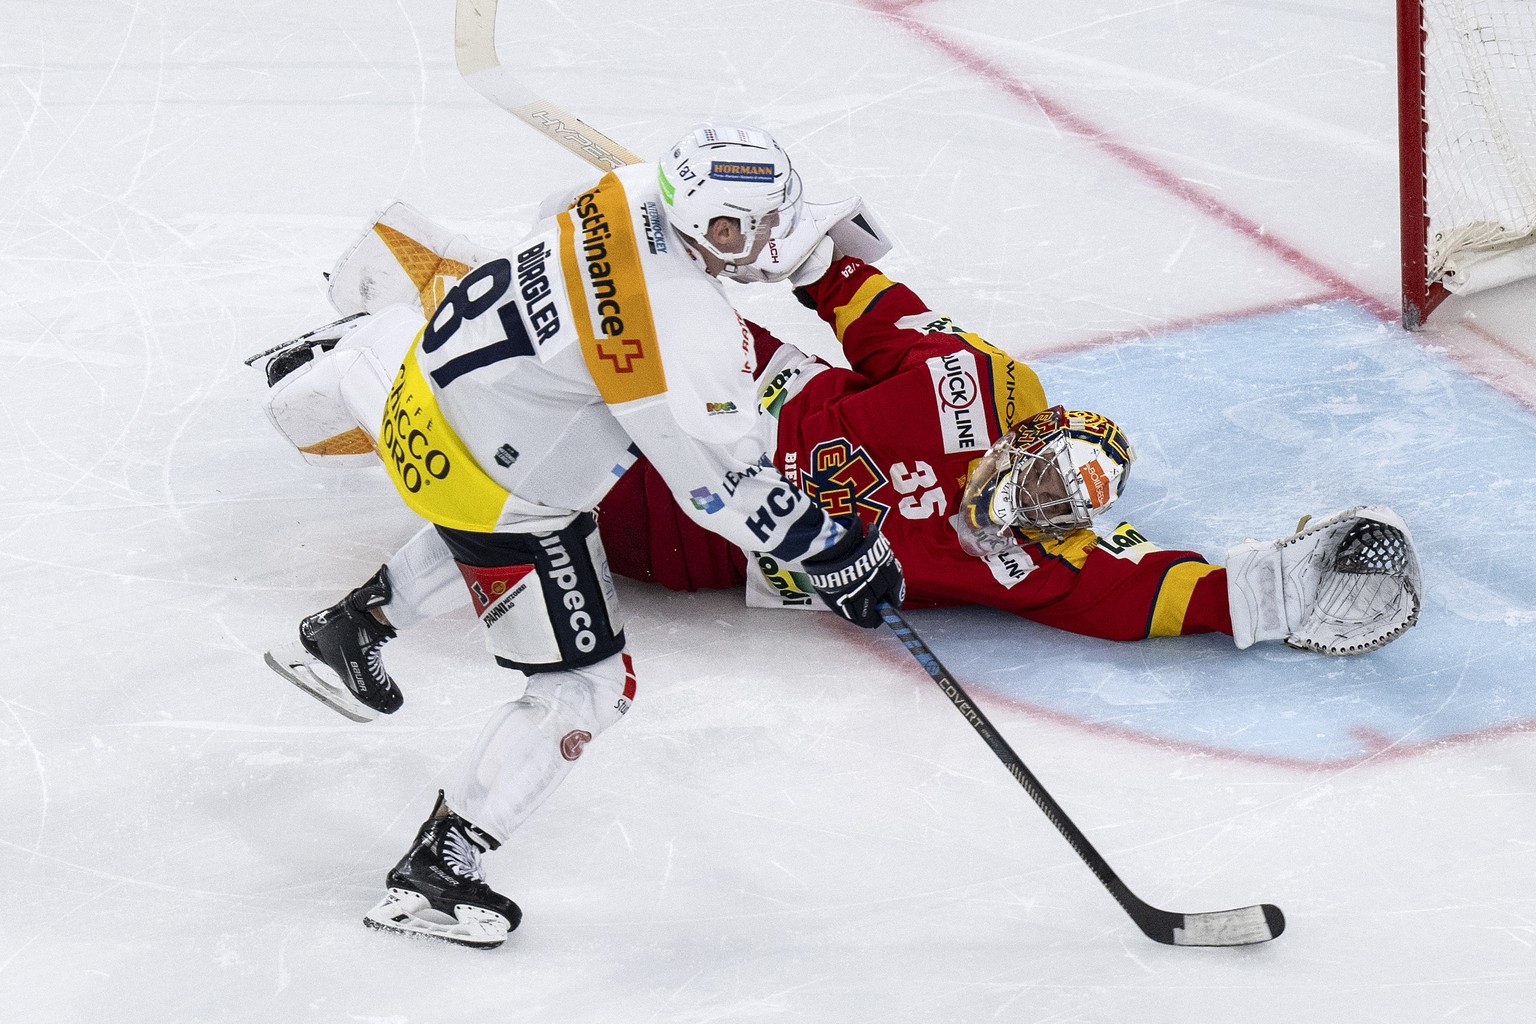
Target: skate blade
406 913
296 665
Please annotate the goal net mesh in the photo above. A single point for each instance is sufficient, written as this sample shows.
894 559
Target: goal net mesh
1480 117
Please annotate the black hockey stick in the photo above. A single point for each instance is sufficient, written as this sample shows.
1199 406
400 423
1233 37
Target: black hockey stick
1240 927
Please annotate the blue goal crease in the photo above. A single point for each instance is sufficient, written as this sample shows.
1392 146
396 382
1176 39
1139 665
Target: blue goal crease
1240 429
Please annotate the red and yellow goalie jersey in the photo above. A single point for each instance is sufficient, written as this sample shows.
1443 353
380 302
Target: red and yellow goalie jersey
892 440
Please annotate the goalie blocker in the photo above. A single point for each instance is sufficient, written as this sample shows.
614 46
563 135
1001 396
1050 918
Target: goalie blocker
1345 584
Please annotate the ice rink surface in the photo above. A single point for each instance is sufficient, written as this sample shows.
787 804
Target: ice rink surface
1183 212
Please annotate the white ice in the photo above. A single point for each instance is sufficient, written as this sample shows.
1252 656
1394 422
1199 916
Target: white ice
1185 210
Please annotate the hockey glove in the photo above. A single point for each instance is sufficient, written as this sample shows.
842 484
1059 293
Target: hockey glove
857 574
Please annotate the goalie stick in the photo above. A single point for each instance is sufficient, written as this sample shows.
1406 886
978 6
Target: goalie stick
1240 927
306 336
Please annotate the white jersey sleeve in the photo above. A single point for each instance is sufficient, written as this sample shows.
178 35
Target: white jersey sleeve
700 426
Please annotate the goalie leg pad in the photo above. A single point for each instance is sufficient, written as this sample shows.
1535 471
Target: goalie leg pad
547 599
1345 584
306 407
330 408
402 257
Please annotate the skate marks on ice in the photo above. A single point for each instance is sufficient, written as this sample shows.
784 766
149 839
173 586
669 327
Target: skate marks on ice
1241 429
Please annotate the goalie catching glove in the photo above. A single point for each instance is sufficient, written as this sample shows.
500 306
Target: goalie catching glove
1345 584
857 574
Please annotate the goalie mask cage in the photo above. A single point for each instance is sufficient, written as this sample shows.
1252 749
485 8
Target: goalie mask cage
1467 147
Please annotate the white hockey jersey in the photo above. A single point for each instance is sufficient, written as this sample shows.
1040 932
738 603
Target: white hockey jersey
543 375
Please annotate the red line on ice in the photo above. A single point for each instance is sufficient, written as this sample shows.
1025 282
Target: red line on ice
1488 356
1067 120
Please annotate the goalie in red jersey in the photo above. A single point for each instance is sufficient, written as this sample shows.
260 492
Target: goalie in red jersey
987 494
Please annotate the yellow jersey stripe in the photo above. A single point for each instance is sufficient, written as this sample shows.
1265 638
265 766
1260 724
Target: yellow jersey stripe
600 258
868 292
1173 597
1016 390
1073 549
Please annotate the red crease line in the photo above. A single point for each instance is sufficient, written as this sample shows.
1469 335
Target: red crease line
1187 323
1380 747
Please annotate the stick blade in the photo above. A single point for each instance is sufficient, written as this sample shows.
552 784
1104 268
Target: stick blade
1243 926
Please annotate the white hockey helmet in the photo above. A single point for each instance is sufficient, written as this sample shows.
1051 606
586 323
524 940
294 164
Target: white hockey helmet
1047 477
720 170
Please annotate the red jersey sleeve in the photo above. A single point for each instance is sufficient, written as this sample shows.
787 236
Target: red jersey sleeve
887 330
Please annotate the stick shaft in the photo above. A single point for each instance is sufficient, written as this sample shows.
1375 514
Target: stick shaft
1240 926
1015 765
474 46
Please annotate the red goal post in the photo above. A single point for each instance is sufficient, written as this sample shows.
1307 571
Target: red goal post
1466 147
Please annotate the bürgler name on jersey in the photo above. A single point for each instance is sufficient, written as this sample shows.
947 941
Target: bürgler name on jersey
533 286
961 418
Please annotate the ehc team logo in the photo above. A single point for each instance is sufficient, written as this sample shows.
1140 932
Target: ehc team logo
844 480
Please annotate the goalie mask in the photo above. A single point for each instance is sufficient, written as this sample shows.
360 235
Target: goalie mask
1045 478
729 171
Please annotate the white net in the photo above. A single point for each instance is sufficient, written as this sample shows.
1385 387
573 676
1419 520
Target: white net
1479 102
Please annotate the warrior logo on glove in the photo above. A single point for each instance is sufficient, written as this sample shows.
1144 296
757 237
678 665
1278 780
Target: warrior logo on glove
857 574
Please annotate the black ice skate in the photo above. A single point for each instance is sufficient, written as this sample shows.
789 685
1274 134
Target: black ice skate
281 360
438 890
338 658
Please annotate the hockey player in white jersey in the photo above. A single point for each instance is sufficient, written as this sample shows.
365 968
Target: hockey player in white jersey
539 379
